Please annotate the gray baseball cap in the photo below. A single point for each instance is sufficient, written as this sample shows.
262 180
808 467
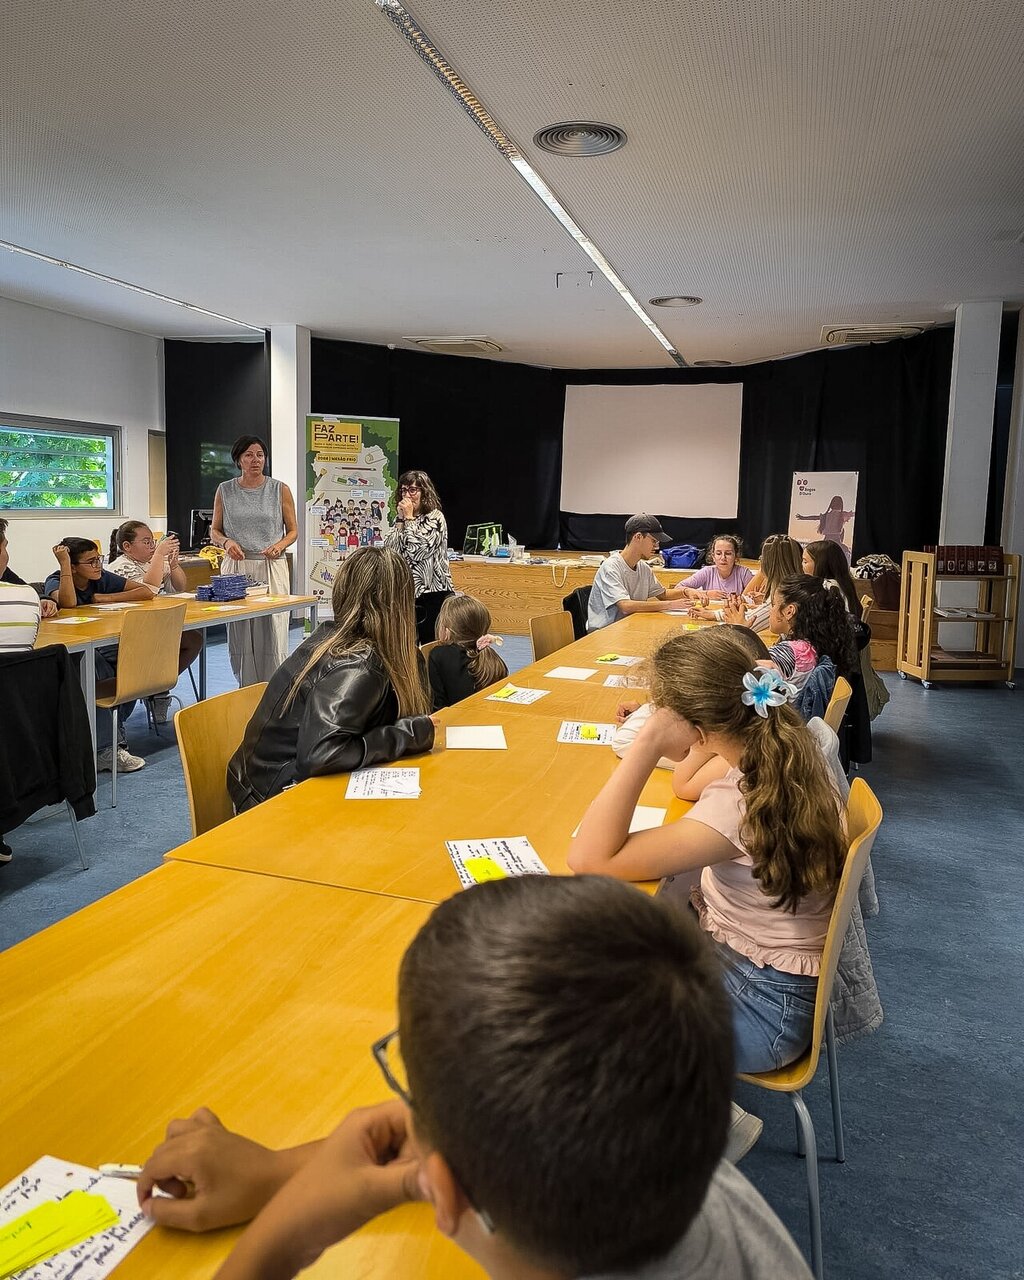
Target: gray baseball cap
643 523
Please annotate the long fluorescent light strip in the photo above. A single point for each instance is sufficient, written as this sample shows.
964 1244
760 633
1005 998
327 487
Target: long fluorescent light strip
403 20
124 284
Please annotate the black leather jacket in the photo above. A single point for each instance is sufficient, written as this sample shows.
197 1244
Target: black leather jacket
345 716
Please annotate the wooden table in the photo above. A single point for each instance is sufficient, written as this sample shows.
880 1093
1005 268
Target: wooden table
194 986
515 593
103 627
539 788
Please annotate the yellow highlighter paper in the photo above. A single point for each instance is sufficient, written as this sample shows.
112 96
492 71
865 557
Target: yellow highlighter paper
478 860
512 693
59 1220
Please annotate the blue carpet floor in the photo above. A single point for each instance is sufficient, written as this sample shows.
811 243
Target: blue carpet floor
932 1185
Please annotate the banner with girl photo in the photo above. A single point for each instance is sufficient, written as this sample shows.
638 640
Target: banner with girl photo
351 474
824 505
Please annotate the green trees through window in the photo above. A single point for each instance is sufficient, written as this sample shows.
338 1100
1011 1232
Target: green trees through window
51 468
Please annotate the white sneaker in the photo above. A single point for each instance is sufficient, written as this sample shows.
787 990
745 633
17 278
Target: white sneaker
126 762
161 704
744 1131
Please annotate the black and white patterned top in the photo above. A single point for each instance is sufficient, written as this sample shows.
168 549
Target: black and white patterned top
423 543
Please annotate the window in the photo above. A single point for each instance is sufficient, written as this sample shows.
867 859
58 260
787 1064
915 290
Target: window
47 465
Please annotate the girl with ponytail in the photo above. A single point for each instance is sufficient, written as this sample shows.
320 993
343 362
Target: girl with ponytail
464 660
767 838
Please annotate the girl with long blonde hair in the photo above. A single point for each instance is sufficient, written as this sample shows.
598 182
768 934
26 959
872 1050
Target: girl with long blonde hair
767 838
352 695
465 659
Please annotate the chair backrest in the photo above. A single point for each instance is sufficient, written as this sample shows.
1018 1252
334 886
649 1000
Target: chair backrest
576 604
863 816
867 603
837 704
426 648
209 734
147 651
549 632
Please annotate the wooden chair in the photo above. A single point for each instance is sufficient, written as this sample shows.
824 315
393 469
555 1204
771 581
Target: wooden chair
147 663
549 632
426 648
837 704
863 816
209 734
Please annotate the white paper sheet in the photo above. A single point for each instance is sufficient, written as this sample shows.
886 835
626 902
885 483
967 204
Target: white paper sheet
51 1179
120 604
570 673
68 622
616 682
587 732
384 784
645 816
478 860
475 737
512 693
618 660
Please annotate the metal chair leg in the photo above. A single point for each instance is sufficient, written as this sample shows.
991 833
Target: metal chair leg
833 1084
806 1126
800 1149
113 759
191 676
77 835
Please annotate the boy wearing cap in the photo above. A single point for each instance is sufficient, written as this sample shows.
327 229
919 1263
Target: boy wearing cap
625 584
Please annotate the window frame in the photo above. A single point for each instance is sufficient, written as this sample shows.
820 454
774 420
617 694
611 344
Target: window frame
70 427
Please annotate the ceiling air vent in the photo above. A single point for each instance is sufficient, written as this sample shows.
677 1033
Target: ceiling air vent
580 138
840 335
458 345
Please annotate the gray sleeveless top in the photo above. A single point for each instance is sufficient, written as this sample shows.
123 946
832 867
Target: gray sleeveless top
252 517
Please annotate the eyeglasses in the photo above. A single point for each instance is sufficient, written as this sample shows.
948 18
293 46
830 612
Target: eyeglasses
411 488
91 560
388 1056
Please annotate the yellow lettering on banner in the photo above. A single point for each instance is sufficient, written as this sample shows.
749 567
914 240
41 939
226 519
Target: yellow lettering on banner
337 441
482 869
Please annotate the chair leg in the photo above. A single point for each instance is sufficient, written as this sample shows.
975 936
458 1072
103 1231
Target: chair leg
113 759
806 1127
833 1084
800 1148
191 676
77 835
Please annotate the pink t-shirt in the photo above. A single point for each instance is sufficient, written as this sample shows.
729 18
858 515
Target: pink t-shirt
709 579
735 910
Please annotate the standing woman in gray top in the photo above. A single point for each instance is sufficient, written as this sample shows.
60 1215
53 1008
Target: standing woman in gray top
254 521
420 536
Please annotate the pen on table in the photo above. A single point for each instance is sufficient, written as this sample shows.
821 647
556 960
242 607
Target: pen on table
120 1170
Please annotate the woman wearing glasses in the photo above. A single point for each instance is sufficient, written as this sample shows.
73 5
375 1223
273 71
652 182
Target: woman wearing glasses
82 579
420 536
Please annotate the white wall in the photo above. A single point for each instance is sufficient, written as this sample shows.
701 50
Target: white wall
53 365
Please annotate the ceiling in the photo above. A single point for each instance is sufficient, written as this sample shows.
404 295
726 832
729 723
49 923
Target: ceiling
794 163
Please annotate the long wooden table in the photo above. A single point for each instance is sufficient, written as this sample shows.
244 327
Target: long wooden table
194 986
538 788
515 593
103 627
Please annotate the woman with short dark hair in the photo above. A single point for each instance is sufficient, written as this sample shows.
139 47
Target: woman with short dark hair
254 521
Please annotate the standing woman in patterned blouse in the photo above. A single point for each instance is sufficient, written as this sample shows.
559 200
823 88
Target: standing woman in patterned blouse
420 535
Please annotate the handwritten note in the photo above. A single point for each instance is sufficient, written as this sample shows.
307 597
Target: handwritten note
619 660
49 1180
618 682
598 735
384 784
570 673
478 860
512 693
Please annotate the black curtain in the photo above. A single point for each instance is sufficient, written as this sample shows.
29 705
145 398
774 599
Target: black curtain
213 393
489 435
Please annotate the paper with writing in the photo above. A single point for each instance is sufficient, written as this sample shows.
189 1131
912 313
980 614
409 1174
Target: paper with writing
618 660
479 860
512 693
384 784
598 735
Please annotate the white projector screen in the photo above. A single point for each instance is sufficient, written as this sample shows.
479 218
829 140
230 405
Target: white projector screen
669 450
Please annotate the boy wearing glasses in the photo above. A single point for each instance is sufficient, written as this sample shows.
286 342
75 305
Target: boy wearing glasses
564 1069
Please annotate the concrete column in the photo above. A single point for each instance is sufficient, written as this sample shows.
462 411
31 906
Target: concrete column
289 404
1013 496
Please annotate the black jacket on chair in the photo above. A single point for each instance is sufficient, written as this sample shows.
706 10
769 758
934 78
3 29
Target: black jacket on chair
344 717
46 753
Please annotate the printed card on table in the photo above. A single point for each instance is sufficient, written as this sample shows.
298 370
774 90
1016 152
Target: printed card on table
570 673
60 1220
598 735
512 693
384 784
478 860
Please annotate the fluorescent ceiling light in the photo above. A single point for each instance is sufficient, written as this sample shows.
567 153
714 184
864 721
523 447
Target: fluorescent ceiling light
124 284
403 20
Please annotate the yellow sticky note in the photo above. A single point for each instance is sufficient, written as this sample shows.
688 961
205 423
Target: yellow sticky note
609 657
507 692
52 1227
589 731
482 869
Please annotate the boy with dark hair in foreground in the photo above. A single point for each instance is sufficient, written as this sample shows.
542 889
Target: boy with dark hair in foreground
564 1064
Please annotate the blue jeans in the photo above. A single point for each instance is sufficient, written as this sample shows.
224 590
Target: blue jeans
106 669
772 1011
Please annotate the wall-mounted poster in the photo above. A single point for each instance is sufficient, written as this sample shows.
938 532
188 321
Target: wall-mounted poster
351 475
824 505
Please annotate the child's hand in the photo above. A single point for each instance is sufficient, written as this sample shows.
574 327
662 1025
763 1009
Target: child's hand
624 710
667 734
